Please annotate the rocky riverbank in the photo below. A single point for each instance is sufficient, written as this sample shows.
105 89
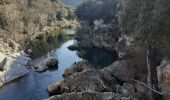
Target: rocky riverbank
113 82
124 79
13 64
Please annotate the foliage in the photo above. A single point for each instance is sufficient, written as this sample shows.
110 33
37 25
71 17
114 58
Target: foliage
26 17
91 10
146 20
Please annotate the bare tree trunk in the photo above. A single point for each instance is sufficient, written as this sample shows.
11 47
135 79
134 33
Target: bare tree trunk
149 78
153 60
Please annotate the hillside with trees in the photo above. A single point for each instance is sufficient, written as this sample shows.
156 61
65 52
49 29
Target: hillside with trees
22 18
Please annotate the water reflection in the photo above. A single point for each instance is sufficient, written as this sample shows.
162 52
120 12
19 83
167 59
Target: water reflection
98 57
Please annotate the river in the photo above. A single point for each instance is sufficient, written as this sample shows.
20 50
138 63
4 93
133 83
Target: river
34 85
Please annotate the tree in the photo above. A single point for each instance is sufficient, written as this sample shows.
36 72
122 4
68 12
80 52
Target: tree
147 22
91 10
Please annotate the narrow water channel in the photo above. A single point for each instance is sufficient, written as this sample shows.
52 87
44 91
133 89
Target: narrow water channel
34 85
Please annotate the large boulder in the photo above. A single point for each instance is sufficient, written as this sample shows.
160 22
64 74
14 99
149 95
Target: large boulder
88 80
93 80
50 62
163 72
125 92
121 70
113 78
77 67
13 69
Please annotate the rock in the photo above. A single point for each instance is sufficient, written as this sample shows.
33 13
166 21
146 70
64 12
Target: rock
87 96
77 67
2 61
14 74
94 80
121 70
98 81
15 46
89 37
73 47
86 80
12 70
163 72
126 92
21 58
47 63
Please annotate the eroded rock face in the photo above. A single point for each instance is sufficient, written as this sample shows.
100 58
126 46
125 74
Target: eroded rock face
2 61
14 67
77 67
47 63
88 80
88 37
93 80
87 96
164 78
125 92
121 70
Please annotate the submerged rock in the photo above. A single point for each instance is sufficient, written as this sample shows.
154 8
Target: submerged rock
47 63
77 67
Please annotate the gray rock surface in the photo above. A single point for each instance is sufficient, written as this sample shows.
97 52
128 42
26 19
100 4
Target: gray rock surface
47 63
93 80
87 96
14 67
163 72
77 67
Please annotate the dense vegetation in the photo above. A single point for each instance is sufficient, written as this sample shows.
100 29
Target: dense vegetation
148 22
22 18
91 10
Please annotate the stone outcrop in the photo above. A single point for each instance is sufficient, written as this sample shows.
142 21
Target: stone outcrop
87 96
2 61
77 67
14 67
125 92
47 63
94 80
89 37
164 78
87 80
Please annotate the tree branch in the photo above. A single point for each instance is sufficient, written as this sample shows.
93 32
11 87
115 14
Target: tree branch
153 90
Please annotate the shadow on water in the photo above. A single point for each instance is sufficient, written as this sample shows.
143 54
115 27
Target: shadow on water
98 57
